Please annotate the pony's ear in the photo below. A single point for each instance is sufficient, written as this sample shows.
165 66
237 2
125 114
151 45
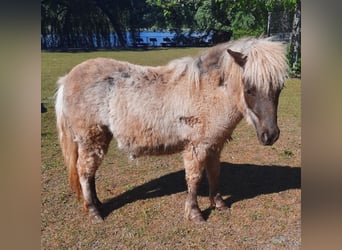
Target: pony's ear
239 58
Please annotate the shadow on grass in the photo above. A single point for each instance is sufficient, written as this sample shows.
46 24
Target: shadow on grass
239 181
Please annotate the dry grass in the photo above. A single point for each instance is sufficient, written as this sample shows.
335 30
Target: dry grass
144 199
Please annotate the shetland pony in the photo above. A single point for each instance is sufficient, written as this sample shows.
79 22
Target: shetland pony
191 105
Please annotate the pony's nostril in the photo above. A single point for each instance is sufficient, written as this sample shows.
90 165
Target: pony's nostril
268 138
264 137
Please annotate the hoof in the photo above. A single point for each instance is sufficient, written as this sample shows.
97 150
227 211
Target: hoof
94 213
96 219
222 207
195 216
198 219
95 216
218 203
193 213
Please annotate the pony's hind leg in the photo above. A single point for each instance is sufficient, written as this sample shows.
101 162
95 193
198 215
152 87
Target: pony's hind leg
213 170
91 151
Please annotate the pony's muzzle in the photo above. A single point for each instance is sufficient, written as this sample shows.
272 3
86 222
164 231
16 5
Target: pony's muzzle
268 137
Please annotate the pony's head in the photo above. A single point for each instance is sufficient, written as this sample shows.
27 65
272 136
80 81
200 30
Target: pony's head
264 70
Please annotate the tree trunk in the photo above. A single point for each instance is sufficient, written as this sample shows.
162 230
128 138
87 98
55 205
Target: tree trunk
296 36
109 11
118 30
269 23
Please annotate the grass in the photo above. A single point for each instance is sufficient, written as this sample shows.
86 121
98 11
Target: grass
146 197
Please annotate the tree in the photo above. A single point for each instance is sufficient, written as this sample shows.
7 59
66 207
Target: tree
177 14
249 18
212 18
116 11
295 43
87 23
73 24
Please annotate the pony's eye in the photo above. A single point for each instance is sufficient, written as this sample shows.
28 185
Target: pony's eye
250 91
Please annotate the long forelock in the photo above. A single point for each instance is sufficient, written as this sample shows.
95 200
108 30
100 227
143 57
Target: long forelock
266 65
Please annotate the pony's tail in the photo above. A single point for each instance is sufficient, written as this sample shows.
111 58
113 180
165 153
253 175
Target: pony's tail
66 140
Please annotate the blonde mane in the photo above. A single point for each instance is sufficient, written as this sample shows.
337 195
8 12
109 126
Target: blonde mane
266 66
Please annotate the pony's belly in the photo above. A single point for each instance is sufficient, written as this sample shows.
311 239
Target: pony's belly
135 149
159 150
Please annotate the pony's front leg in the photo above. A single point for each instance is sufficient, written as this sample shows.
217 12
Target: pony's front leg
213 170
193 174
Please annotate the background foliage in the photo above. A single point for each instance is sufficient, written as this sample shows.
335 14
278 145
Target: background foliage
89 23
